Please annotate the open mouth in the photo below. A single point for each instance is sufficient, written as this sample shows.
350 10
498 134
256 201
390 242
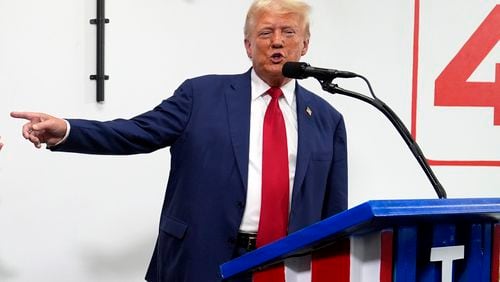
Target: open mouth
277 57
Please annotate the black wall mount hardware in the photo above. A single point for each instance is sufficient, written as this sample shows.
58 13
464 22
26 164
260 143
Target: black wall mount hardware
100 76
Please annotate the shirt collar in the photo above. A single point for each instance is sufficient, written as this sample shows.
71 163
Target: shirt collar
260 87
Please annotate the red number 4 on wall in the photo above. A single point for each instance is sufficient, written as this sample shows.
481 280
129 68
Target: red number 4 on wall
452 87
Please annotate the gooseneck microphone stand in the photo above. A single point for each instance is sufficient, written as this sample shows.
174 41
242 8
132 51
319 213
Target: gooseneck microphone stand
328 86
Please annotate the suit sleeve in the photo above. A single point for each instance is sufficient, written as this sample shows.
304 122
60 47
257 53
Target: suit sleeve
336 193
144 133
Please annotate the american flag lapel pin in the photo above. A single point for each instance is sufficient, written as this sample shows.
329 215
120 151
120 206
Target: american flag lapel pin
309 111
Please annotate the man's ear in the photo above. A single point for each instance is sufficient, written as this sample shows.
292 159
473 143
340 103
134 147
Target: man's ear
248 47
305 47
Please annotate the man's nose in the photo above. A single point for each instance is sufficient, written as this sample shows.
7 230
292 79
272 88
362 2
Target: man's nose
277 40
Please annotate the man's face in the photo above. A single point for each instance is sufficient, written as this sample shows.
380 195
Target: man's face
274 39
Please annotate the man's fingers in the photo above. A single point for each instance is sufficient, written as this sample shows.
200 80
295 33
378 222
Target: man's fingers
27 129
46 125
26 115
41 127
35 140
38 122
33 117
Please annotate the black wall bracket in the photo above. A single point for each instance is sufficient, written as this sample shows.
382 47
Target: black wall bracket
100 76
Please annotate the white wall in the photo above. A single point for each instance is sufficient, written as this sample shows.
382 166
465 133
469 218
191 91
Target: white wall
69 217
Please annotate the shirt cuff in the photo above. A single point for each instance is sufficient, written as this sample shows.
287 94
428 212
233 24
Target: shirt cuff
68 129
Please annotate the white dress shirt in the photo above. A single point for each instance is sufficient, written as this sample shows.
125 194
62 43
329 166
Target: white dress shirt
259 102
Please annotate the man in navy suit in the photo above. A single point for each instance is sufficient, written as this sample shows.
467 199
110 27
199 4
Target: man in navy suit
213 126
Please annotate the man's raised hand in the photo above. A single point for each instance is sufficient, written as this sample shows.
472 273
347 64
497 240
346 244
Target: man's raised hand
42 128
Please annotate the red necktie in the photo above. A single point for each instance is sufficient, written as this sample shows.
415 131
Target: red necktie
273 221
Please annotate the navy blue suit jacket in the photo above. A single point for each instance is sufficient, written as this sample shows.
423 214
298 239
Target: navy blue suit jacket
206 123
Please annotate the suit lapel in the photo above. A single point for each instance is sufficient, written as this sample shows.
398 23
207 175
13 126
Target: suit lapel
238 97
305 125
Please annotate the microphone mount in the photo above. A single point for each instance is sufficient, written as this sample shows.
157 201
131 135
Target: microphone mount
328 86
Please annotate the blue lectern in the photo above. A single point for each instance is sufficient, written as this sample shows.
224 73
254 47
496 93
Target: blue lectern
406 240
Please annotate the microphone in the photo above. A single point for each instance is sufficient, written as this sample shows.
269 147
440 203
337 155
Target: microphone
300 70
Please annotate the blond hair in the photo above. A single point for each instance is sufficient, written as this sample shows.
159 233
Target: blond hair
285 6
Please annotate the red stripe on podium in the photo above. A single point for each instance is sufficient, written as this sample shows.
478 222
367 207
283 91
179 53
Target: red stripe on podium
386 237
495 255
332 263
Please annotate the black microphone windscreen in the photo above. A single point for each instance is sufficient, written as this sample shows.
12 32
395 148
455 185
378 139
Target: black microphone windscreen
294 69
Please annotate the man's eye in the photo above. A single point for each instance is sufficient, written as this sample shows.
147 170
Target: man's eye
264 33
289 32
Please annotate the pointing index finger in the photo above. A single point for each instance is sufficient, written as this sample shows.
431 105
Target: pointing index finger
25 115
